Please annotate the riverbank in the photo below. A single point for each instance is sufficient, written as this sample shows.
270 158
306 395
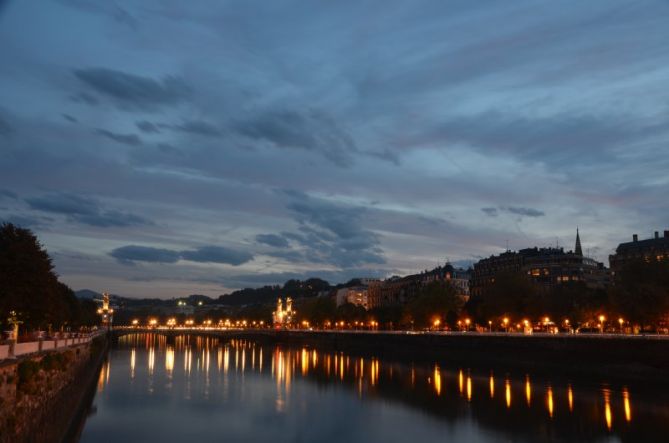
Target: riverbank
42 394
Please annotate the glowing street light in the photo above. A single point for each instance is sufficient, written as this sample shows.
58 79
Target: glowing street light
602 319
621 321
505 321
135 322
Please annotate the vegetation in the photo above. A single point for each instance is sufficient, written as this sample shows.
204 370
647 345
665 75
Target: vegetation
639 294
29 285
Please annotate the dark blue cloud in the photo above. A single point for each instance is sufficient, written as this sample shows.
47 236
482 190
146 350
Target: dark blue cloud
332 233
309 130
205 254
148 127
198 127
6 193
217 254
133 91
126 139
526 212
274 240
85 210
133 253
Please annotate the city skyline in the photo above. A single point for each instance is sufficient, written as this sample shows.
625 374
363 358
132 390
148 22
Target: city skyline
164 150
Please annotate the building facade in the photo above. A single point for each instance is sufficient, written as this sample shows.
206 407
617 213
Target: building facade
544 267
655 248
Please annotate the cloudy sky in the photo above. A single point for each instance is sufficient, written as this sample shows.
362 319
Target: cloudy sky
162 148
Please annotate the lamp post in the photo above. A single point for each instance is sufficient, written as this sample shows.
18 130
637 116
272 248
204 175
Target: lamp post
621 321
15 322
505 321
602 319
106 312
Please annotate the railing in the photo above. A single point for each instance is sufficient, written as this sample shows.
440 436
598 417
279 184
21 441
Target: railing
12 350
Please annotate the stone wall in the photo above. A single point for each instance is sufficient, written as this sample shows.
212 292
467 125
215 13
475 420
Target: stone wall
40 393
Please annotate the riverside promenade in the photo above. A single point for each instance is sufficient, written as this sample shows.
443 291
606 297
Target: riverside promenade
10 349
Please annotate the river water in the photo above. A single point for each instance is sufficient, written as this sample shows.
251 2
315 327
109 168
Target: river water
205 390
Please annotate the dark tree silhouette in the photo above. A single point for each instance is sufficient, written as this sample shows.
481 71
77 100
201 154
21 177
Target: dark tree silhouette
29 285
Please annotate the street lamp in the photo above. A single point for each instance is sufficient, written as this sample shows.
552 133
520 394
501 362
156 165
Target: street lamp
602 319
621 321
505 321
467 322
489 325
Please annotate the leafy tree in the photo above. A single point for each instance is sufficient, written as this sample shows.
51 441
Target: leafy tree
436 299
511 294
641 292
29 285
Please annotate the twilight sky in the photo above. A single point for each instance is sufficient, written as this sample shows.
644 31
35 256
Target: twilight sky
163 148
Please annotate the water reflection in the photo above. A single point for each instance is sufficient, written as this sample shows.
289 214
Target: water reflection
302 381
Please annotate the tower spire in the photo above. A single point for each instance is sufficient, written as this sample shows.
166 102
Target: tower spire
578 250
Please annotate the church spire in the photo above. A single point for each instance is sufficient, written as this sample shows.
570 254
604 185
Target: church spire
578 250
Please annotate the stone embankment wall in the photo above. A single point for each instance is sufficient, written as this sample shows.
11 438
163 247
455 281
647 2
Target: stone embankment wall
40 394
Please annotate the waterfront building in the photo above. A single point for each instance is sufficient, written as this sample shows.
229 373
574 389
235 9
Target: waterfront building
655 248
396 291
545 267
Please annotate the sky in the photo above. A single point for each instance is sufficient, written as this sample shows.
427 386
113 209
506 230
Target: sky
161 148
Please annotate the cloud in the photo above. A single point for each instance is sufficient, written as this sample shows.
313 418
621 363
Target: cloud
108 219
64 203
492 212
310 131
198 127
6 193
526 212
332 233
205 254
274 240
84 98
85 210
148 127
5 128
111 9
69 118
133 253
131 91
217 254
24 221
126 139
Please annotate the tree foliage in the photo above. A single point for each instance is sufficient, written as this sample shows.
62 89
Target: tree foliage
29 285
436 300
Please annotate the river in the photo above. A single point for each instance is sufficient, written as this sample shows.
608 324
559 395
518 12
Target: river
195 389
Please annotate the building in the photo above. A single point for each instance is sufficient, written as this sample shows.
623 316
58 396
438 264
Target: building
283 318
396 291
545 267
358 296
655 248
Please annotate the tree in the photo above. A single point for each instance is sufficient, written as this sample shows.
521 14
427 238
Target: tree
435 300
29 285
641 291
511 294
